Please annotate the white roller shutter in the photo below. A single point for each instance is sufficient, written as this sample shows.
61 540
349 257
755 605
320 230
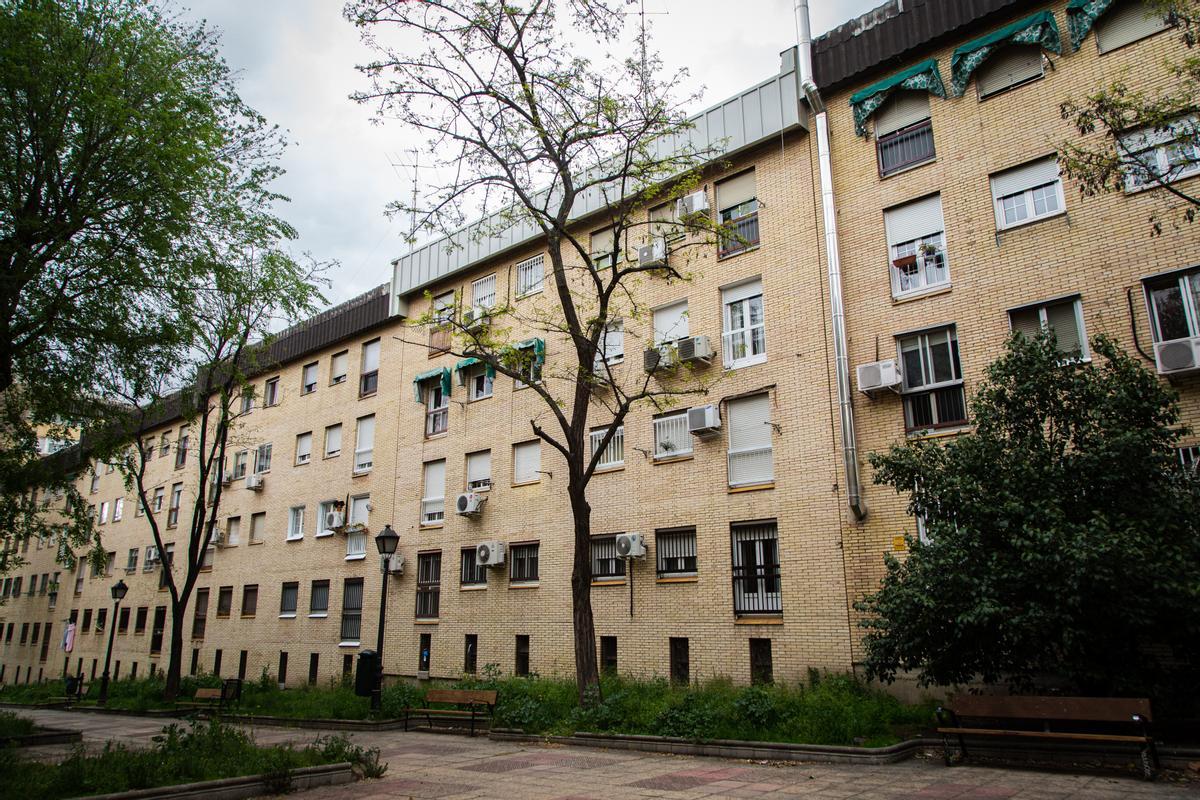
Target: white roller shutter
1125 23
750 460
366 433
1012 65
900 111
527 462
742 291
479 466
370 356
671 322
435 479
736 190
914 220
1027 176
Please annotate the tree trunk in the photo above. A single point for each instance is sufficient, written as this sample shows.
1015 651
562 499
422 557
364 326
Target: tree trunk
587 672
175 661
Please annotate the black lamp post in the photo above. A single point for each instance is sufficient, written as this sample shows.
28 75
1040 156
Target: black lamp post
386 543
118 594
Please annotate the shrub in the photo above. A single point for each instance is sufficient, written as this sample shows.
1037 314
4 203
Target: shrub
11 725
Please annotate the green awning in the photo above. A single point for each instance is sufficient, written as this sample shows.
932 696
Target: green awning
538 346
1039 29
467 363
1082 15
919 76
442 373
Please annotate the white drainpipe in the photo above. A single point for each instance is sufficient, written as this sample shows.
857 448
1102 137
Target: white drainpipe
858 504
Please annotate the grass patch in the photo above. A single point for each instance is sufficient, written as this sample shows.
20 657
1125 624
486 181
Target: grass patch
200 752
12 726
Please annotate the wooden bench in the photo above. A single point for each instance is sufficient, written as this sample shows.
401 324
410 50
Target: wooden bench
471 703
74 690
1002 716
206 698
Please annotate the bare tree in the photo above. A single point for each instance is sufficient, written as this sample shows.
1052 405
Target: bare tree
531 133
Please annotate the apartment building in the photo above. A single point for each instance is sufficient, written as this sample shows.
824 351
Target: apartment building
955 226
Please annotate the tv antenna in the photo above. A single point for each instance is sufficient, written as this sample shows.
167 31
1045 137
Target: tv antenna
415 166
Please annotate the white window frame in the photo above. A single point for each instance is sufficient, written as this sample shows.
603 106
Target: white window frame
323 508
479 484
303 454
664 336
614 454
338 450
483 291
1188 284
271 392
610 348
530 276
364 453
1181 135
117 511
262 455
307 386
924 346
733 339
1085 353
739 454
338 374
479 373
520 447
672 423
358 514
1028 198
233 531
295 530
433 507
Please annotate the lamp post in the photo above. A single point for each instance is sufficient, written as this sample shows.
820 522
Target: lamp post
386 543
118 594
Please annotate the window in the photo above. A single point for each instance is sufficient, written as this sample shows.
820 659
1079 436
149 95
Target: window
240 459
352 600
101 619
287 599
1027 193
671 437
173 509
139 620
744 340
156 632
608 654
530 356
249 600
676 551
103 512
168 560
262 459
224 601
164 444
324 509
333 440
523 563
1012 66
903 132
86 626
95 487
131 561
304 448
258 527
1125 23
1161 155
158 499
932 389
247 400
470 571
308 378
443 308
521 665
429 584
603 249
529 276
282 671
364 448
761 668
233 531
433 501
756 585
1174 302
271 393
670 323
610 349
527 462
606 564
614 453
750 445
480 380
356 538
470 653
483 292
314 660
680 663
1189 457
738 204
664 223
437 408
1062 317
338 367
318 599
916 246
479 471
368 382
200 617
295 523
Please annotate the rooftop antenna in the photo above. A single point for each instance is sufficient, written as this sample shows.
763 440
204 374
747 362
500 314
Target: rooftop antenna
415 166
642 12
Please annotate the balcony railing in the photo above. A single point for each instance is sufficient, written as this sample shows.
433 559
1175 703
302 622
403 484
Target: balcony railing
439 340
939 408
756 590
433 510
671 437
905 148
428 600
437 421
738 235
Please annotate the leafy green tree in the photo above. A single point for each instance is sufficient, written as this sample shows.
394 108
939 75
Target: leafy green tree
1061 535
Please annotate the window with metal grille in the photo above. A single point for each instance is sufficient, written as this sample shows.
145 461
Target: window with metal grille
483 292
606 564
676 551
614 453
671 437
756 584
352 601
933 389
471 572
523 563
529 276
738 204
429 585
249 600
287 599
318 599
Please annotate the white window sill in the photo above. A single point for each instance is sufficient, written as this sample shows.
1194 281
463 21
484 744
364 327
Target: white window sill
287 616
925 291
478 489
303 463
294 538
334 454
347 644
747 362
318 616
323 535
358 557
1031 221
360 472
529 293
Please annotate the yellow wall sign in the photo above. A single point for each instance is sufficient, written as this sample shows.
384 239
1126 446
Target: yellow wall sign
898 543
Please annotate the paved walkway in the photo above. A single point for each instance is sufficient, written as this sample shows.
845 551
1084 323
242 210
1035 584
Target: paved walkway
425 765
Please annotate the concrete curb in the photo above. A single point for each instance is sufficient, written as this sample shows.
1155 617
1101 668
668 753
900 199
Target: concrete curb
42 736
726 748
315 724
238 788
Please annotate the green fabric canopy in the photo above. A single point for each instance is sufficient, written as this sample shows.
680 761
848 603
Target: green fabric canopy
539 348
1039 29
467 363
439 372
1082 15
919 76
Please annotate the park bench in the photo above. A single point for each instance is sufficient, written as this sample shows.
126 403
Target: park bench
470 704
73 690
208 698
1094 720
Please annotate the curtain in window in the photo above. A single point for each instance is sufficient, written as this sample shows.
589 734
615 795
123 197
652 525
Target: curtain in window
923 76
440 373
1039 29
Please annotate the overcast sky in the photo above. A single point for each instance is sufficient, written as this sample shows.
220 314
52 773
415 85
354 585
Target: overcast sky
296 63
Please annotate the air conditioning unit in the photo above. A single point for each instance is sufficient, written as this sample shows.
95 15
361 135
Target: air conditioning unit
704 421
474 318
489 554
1178 356
469 504
878 375
395 564
690 206
695 348
218 538
631 545
333 520
654 254
152 555
254 482
661 357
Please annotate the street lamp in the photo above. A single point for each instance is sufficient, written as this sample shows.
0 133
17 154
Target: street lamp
118 594
386 543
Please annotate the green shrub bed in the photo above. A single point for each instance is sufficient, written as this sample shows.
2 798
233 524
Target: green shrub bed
12 726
